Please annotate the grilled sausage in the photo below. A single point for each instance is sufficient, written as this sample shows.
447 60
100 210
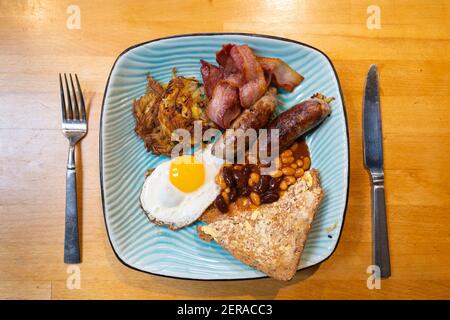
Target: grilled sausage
255 117
298 120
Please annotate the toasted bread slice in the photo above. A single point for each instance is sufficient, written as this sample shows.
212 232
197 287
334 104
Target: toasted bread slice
272 237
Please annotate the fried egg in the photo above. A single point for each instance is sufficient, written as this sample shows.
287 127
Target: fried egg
179 190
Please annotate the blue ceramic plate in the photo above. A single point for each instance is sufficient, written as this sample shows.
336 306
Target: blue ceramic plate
144 246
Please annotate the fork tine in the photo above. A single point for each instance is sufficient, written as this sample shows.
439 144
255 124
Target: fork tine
63 100
69 99
75 102
80 96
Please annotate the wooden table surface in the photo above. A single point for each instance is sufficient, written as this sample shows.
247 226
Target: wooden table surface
38 40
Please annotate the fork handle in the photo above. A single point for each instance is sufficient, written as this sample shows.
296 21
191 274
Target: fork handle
380 233
71 238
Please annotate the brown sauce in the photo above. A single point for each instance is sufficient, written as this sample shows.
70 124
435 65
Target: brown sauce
302 150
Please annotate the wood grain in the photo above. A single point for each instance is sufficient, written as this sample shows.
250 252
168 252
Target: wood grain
412 49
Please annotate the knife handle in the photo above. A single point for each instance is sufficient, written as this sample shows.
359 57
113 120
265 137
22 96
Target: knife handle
379 223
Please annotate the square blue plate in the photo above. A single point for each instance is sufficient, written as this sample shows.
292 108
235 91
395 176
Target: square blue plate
144 246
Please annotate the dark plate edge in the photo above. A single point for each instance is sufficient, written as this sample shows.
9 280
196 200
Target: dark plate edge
219 34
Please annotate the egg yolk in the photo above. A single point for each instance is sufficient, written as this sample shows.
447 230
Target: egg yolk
187 173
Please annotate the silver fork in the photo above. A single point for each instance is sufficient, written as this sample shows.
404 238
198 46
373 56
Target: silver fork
74 127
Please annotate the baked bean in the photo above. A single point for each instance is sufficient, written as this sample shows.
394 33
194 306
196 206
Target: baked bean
286 153
283 185
276 173
269 197
287 160
233 195
240 178
221 204
255 198
282 193
219 180
294 166
299 163
299 173
254 177
263 184
228 177
274 183
227 190
288 171
306 163
225 196
251 183
289 180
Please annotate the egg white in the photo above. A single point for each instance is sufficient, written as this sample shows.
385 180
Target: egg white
167 205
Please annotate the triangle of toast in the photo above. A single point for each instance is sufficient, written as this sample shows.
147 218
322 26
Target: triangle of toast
272 237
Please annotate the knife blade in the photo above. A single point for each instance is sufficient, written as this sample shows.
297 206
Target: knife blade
373 147
373 160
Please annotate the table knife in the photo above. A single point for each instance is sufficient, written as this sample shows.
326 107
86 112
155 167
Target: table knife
373 160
